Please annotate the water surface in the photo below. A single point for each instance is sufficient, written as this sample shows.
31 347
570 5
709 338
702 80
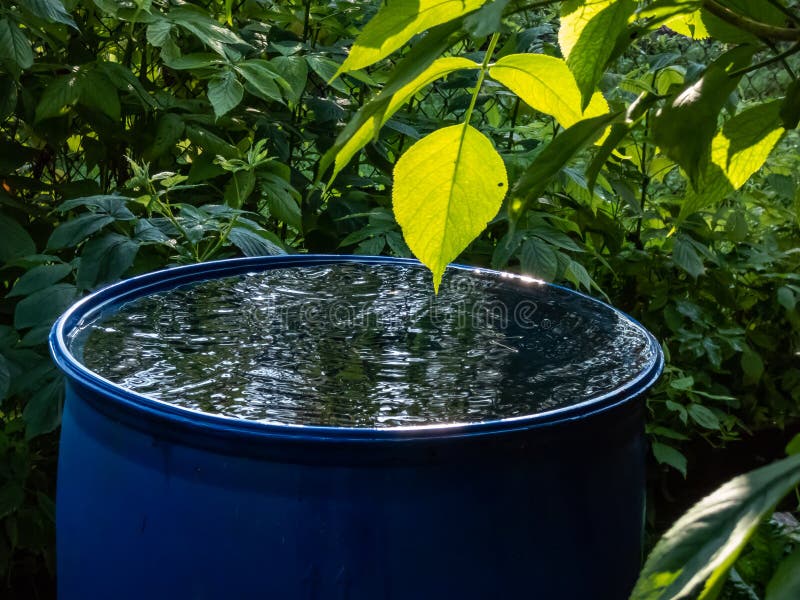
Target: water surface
365 345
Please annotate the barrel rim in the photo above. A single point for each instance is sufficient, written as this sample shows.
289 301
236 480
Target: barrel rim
143 405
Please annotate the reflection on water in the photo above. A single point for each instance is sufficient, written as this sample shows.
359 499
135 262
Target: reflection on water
365 346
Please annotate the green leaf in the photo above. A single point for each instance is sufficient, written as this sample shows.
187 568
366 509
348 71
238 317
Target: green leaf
197 60
99 94
487 20
239 188
694 556
42 414
555 156
396 22
667 455
50 10
419 57
785 583
62 93
74 231
12 496
793 447
158 32
752 364
169 131
546 84
555 237
210 32
105 259
5 378
44 306
384 109
447 187
14 45
537 258
282 199
39 278
14 240
261 77
790 108
738 150
687 258
588 37
370 127
703 416
684 129
293 72
225 93
253 241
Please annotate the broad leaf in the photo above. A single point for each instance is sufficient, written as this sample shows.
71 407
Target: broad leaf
99 94
667 455
684 128
690 25
261 77
225 93
738 150
60 94
254 241
419 57
693 557
588 36
210 32
50 10
447 187
105 259
398 21
546 84
293 72
785 582
538 258
42 413
369 129
39 278
15 241
14 45
44 306
687 258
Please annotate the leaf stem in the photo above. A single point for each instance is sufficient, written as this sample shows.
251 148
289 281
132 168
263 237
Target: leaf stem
757 28
481 75
773 59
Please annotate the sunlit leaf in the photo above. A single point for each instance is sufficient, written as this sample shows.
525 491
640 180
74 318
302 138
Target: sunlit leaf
369 129
690 25
588 37
738 150
398 21
546 84
685 128
447 187
695 555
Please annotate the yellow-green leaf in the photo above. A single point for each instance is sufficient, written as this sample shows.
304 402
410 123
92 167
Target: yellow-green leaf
588 36
690 25
738 150
546 84
447 187
369 129
398 21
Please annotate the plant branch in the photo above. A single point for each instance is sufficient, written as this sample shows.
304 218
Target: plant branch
757 28
764 63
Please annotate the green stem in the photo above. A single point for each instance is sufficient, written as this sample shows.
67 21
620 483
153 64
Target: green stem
773 59
481 75
757 28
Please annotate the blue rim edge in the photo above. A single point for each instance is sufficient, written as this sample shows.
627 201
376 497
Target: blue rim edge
142 405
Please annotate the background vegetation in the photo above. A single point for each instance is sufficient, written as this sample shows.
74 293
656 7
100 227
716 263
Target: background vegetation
137 134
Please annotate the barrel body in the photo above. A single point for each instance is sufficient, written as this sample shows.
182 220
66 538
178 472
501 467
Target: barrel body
554 513
158 502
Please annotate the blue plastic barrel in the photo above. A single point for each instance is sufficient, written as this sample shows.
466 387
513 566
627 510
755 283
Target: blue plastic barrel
156 501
